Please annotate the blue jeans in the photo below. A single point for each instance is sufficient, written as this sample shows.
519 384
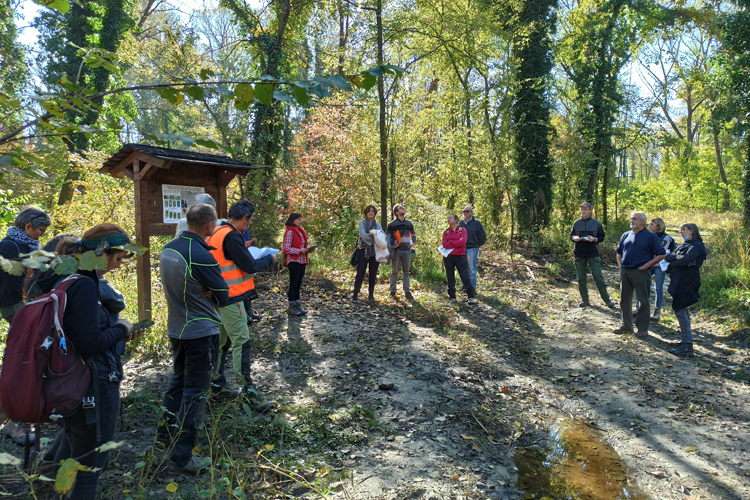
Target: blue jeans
659 277
81 439
473 255
185 400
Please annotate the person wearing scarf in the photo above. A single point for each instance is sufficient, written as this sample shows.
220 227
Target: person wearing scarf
367 254
295 253
23 237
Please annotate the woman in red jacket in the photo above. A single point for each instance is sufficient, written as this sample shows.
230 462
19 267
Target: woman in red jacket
454 239
295 250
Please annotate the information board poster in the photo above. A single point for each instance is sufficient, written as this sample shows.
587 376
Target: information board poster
177 200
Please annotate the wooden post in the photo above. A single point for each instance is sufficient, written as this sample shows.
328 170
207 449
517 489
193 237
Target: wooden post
143 262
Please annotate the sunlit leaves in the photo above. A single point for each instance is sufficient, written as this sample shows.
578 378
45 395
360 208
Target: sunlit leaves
60 5
264 94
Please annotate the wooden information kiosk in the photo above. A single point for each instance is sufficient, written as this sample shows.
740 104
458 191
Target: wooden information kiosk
158 175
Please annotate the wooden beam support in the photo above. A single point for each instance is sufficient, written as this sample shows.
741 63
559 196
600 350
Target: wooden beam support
143 171
221 203
226 178
142 237
117 170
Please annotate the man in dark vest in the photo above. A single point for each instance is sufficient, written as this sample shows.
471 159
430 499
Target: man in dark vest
587 233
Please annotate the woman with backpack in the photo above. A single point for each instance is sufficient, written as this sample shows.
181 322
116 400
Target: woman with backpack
30 225
295 251
88 325
454 239
366 250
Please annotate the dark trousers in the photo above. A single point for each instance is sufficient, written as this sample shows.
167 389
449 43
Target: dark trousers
635 280
81 439
296 274
460 263
362 266
185 400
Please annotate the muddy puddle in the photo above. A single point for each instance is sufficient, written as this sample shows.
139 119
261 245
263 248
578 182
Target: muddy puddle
578 466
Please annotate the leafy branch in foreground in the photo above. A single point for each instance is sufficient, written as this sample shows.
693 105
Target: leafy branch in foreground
60 107
62 264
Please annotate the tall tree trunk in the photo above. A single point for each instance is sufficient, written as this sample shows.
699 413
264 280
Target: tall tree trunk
720 164
747 181
382 127
343 33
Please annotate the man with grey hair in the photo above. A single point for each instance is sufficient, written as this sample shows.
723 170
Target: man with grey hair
203 198
638 250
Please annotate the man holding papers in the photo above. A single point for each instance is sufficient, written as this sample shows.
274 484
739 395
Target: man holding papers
237 267
454 257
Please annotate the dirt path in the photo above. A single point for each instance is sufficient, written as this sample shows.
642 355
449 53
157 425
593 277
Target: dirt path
682 425
516 396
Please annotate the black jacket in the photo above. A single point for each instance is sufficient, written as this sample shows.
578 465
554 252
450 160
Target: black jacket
86 324
475 235
587 227
11 286
685 276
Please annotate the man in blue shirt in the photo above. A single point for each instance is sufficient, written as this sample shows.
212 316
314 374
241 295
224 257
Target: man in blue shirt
638 250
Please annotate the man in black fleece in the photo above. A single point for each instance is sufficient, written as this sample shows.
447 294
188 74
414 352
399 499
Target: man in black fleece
587 233
195 290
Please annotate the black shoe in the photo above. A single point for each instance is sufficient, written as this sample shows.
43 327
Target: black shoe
584 304
301 311
253 316
682 349
393 294
355 300
253 400
610 304
220 392
371 299
622 331
408 296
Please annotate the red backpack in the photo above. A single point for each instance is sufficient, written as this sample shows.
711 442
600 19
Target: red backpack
42 378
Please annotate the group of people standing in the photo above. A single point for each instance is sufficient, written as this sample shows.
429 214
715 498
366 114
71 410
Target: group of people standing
463 238
642 252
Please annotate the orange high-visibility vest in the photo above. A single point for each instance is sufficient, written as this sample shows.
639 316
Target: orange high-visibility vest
238 280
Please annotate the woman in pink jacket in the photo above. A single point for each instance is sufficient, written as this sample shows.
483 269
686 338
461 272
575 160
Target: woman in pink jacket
454 239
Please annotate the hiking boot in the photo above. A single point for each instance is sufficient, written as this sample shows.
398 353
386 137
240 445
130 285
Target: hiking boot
584 304
250 394
622 331
641 334
195 465
453 300
683 348
393 294
252 316
408 296
371 299
300 310
657 314
610 304
472 301
220 392
355 300
293 310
